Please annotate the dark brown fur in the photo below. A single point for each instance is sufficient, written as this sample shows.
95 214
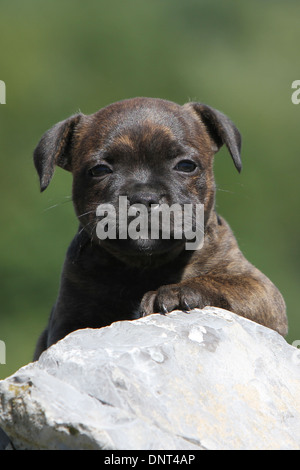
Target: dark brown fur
140 140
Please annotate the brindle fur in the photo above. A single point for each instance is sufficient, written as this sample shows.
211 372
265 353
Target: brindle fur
103 282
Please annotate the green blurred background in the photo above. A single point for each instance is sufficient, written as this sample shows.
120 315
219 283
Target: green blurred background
62 56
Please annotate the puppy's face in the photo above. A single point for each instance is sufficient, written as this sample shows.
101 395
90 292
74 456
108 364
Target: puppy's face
149 151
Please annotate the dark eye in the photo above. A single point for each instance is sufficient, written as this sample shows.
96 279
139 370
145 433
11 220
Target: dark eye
186 166
99 170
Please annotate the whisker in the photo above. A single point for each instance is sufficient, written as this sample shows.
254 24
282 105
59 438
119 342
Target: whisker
96 204
58 204
224 190
51 207
85 213
85 226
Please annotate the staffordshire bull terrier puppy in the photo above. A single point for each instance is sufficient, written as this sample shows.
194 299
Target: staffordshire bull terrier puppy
151 152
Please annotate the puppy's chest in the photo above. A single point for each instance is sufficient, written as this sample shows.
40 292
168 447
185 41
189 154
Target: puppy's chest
121 285
98 277
132 284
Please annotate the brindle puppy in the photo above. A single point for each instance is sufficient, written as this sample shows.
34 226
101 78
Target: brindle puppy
152 151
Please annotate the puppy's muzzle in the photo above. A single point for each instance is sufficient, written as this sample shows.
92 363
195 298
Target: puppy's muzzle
146 198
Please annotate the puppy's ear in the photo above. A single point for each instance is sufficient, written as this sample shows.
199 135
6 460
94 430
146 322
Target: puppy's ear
54 148
221 130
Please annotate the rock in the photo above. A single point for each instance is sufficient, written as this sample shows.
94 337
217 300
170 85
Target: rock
5 443
204 380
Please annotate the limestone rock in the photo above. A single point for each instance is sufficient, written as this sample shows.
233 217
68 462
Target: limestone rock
204 380
5 443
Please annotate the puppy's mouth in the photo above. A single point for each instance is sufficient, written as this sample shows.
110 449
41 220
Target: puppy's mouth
143 253
137 236
144 230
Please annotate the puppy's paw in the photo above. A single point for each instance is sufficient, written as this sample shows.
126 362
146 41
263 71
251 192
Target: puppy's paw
168 298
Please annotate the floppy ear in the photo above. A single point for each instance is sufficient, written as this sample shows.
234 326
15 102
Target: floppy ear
54 148
221 130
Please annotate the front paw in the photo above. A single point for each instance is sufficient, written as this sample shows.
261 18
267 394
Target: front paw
169 298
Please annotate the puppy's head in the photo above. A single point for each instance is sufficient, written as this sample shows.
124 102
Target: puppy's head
149 151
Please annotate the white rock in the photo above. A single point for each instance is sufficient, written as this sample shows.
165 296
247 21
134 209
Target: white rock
204 380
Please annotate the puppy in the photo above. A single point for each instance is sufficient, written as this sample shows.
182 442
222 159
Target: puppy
151 152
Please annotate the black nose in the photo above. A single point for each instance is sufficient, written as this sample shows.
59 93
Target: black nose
145 198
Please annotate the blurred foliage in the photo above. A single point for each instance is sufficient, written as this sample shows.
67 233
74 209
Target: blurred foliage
60 57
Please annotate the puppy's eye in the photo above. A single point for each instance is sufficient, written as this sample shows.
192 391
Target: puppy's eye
99 170
186 166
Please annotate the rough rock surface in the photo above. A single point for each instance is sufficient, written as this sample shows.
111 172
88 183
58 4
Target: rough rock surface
205 380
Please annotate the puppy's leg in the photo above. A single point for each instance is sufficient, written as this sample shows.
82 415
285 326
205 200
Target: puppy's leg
252 297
